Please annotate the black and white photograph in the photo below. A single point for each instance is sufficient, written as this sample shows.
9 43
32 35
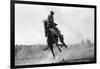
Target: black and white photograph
50 34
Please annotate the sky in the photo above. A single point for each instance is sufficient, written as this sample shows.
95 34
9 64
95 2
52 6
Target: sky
76 24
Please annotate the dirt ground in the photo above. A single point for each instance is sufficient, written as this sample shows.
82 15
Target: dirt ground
34 54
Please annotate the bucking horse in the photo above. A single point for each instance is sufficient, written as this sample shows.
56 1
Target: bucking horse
52 37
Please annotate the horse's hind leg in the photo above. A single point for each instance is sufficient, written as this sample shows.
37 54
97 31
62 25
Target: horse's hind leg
51 47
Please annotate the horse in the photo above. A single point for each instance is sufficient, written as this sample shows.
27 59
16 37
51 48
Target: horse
52 38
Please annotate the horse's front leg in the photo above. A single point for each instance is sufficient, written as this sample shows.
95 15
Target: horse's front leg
58 47
62 41
57 44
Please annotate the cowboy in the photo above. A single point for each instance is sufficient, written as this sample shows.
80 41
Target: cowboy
51 17
50 22
53 25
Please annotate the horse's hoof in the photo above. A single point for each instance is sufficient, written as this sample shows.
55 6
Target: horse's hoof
65 46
